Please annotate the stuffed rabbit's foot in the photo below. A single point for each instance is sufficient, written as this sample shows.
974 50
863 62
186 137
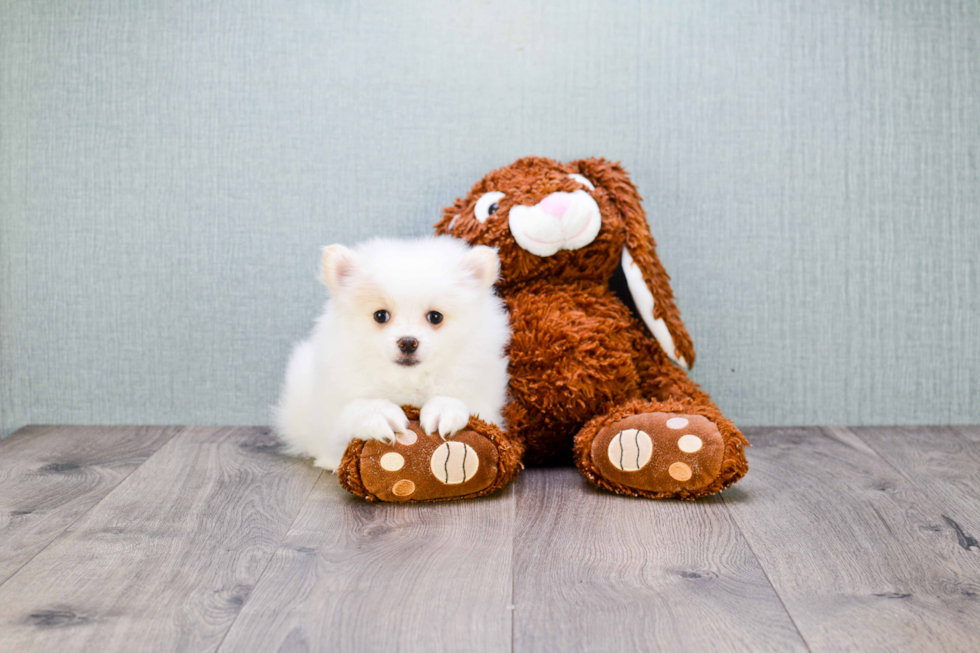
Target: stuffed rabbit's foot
656 454
420 467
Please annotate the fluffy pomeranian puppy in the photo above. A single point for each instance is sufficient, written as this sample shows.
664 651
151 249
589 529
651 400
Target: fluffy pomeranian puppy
408 322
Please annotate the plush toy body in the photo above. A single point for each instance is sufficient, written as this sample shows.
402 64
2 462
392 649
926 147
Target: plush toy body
598 352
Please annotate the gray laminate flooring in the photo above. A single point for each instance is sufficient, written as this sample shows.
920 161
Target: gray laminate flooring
208 539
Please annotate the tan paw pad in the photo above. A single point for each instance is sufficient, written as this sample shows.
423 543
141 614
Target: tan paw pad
420 466
630 450
403 488
689 443
392 461
659 452
680 472
454 462
407 438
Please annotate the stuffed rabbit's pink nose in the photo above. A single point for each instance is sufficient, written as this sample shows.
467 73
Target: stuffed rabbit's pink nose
555 204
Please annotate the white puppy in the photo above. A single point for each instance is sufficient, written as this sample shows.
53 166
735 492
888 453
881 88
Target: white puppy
408 322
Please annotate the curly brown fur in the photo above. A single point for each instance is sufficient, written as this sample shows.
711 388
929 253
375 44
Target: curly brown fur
569 357
510 453
578 355
612 177
349 472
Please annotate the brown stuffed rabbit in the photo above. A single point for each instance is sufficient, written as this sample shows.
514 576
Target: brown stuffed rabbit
598 351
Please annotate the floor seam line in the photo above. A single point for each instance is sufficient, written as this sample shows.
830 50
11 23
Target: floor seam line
60 535
919 490
513 568
269 561
765 573
887 462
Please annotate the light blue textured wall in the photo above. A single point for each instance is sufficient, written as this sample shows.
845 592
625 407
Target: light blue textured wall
168 171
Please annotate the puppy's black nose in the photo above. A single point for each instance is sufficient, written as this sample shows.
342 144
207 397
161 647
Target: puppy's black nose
408 345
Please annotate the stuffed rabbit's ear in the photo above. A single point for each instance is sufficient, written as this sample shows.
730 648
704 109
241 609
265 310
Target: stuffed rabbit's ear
449 216
648 282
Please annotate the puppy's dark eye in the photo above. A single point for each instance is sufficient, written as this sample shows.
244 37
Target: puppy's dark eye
434 317
381 316
493 208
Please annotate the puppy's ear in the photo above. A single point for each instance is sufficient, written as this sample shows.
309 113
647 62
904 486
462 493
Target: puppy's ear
337 266
483 265
648 282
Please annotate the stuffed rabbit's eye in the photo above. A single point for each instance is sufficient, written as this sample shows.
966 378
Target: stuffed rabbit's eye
487 205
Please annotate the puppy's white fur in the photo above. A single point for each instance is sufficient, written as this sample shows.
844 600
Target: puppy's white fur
349 378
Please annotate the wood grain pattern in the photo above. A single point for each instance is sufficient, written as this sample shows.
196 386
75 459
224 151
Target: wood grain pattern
218 542
353 576
166 561
860 558
598 572
971 432
943 464
51 475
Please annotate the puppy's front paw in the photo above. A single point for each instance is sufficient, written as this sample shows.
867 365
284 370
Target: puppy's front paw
445 415
378 420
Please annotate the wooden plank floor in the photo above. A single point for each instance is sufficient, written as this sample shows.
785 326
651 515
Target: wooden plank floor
207 539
